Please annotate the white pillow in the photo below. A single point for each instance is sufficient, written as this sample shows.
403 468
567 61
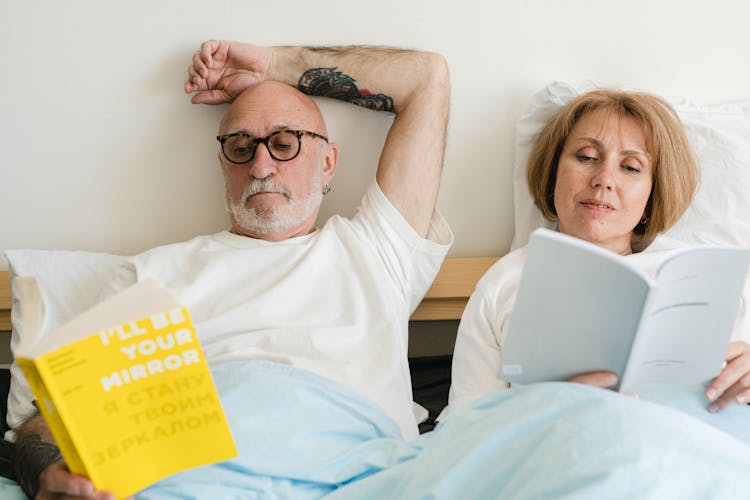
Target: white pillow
70 282
720 137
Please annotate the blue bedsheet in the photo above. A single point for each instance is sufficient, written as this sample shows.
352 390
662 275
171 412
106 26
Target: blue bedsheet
304 436
558 440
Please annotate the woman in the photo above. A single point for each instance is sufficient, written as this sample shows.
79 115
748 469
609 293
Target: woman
612 168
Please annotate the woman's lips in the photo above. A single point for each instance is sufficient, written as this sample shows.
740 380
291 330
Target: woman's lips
597 205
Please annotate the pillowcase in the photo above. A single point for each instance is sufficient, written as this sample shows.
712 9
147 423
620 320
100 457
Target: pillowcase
720 138
70 283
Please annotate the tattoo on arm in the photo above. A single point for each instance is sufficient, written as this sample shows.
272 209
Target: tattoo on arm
32 456
329 82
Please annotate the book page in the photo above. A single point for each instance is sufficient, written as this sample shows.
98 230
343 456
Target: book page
139 300
577 310
31 306
686 332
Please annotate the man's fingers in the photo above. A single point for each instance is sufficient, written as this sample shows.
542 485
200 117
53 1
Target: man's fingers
56 479
207 53
194 81
211 97
193 73
57 482
104 495
208 48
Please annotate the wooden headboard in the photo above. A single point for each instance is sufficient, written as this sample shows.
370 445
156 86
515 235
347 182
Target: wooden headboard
445 300
4 301
452 288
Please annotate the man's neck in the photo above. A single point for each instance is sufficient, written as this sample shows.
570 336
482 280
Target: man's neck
274 236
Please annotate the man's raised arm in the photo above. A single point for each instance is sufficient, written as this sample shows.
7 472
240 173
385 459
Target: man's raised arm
414 85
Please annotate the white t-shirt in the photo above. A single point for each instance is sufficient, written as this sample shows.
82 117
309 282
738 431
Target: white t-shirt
483 327
336 301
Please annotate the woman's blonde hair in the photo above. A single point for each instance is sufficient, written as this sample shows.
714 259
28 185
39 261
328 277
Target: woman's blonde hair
675 172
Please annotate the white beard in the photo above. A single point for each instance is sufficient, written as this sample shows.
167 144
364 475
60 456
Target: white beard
277 218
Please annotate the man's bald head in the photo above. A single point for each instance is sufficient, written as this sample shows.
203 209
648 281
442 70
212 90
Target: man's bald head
272 104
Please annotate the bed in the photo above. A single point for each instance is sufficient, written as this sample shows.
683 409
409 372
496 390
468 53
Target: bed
543 441
506 444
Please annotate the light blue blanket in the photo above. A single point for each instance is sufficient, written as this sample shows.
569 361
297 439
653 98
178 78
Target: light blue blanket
304 436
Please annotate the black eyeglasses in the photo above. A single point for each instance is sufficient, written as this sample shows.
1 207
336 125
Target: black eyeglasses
282 145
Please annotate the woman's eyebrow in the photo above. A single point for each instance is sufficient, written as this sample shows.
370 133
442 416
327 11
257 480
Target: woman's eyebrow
599 144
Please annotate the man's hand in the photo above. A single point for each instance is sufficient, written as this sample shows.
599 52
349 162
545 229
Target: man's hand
57 482
733 383
40 470
221 70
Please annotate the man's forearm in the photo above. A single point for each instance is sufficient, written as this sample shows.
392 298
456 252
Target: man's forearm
378 78
35 451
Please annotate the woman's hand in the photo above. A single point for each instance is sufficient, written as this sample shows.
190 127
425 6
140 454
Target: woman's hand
733 383
596 379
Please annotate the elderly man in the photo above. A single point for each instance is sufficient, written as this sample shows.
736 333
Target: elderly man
334 300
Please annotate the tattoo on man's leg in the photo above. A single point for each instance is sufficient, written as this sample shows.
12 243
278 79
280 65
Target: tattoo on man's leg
328 82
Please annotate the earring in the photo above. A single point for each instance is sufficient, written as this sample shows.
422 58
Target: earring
644 220
326 189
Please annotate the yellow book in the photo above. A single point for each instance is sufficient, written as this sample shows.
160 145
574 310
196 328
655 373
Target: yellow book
124 387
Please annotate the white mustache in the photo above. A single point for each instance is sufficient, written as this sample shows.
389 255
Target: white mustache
265 186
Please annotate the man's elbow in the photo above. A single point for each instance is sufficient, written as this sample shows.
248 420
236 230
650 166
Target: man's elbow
432 84
437 73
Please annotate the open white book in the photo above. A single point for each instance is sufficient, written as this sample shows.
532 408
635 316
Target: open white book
582 308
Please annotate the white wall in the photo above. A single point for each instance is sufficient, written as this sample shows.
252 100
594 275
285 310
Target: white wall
101 150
